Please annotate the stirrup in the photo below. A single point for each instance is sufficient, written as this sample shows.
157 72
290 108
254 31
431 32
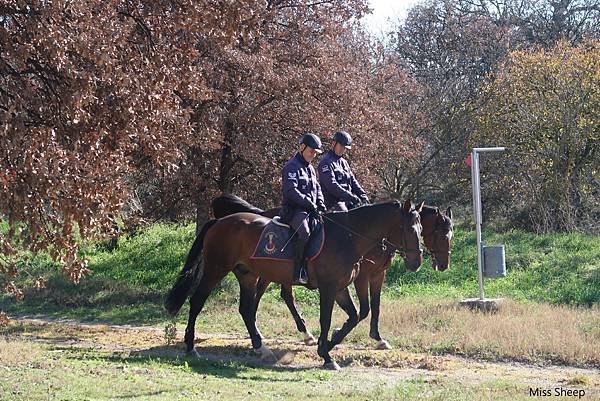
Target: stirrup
302 278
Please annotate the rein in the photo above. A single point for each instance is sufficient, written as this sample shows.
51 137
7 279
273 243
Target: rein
399 250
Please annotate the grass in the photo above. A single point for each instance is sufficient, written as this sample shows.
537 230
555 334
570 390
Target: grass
99 363
539 334
553 280
530 333
522 332
82 375
129 282
552 268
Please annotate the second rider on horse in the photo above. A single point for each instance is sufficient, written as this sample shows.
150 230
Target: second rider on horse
340 188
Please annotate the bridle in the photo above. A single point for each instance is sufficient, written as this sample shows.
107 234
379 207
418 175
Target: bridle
435 232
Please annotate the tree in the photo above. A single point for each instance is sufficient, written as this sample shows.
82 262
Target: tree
128 108
544 106
541 22
451 47
89 93
307 71
450 54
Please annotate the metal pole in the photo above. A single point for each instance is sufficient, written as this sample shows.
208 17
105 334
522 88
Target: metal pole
477 208
477 214
496 149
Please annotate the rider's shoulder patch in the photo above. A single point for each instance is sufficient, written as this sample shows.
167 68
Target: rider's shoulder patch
325 168
291 176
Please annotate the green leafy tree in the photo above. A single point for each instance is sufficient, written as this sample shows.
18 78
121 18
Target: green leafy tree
544 105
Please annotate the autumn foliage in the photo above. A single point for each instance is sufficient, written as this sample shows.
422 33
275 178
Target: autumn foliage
124 112
112 110
455 50
89 90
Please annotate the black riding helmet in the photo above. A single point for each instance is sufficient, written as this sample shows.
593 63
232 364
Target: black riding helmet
311 140
343 138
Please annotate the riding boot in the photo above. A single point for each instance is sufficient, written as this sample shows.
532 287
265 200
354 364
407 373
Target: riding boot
300 274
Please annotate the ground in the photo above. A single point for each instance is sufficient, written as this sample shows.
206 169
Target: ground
67 360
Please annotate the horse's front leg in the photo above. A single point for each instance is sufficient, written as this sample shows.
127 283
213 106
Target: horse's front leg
326 301
376 283
288 296
261 287
247 309
361 284
344 300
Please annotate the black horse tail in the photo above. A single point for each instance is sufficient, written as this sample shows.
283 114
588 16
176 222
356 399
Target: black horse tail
189 275
225 205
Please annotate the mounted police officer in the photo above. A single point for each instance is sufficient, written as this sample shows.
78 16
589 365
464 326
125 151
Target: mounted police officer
302 199
340 188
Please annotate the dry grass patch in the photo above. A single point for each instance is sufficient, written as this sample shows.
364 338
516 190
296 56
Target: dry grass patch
93 336
578 379
527 332
14 353
535 333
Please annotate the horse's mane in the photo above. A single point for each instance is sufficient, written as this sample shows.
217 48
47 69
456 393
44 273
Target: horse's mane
227 204
340 216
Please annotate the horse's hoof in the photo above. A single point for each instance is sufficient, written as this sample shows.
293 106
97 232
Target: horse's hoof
193 353
331 366
266 354
383 345
309 339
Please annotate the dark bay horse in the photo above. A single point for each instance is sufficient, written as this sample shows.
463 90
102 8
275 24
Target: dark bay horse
437 236
226 245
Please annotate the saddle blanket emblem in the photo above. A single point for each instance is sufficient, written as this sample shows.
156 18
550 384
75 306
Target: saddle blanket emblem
273 243
270 247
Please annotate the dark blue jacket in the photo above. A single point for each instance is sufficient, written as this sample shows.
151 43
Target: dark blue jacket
301 189
337 180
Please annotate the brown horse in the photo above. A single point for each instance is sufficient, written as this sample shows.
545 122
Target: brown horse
227 245
437 236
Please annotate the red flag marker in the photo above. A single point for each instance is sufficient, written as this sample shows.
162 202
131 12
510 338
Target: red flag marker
469 161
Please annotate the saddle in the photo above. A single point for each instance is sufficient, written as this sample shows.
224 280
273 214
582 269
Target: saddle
275 242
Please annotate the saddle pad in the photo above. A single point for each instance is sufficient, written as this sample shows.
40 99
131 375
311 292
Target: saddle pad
274 237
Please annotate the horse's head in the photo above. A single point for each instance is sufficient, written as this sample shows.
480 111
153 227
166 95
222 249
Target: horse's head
407 237
437 235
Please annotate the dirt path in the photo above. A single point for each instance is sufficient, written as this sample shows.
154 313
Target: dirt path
395 364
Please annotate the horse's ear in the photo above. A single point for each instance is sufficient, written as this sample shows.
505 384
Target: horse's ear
418 209
407 206
449 213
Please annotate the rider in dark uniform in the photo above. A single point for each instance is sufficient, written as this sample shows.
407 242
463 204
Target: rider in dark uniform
302 198
340 188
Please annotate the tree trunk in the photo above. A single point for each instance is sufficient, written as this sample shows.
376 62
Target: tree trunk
227 162
202 212
224 182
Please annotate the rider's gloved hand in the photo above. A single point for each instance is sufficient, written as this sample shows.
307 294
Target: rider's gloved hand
353 202
314 211
365 199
